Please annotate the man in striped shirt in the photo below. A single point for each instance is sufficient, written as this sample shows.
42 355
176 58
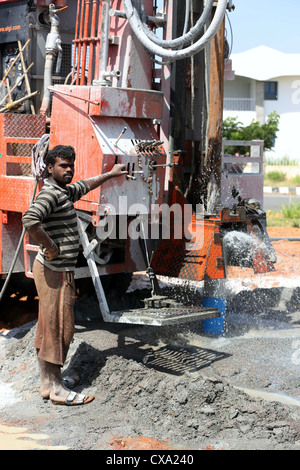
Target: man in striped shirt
52 222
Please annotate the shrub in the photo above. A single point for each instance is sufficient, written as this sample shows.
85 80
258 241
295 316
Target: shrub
234 130
292 210
276 176
296 179
283 161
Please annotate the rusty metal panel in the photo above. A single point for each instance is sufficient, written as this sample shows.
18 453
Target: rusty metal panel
148 186
130 57
94 141
177 258
174 259
130 103
71 125
11 232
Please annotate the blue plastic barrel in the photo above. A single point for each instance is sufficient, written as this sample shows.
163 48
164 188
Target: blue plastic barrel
214 326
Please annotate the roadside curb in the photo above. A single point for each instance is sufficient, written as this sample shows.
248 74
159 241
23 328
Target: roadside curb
282 190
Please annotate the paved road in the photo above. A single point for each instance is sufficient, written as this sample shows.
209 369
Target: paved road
275 201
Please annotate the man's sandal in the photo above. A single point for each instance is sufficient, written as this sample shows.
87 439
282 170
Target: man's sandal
74 399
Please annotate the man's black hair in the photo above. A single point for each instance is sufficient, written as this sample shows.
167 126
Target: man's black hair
64 151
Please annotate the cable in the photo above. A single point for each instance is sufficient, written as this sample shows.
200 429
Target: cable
231 33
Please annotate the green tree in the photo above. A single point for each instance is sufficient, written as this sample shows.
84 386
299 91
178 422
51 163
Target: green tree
235 130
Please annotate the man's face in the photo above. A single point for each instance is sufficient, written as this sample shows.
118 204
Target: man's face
62 171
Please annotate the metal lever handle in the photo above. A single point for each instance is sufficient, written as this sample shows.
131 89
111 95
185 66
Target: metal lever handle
120 136
163 165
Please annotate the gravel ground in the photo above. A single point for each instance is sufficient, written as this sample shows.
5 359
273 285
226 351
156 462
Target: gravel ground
168 387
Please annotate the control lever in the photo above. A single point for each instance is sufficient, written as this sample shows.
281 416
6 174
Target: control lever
120 136
146 143
162 165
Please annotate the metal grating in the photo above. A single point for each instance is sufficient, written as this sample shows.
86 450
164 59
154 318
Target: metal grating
18 149
179 360
24 126
18 169
66 63
164 316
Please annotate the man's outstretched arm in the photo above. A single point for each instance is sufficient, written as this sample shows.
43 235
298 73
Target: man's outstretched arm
117 170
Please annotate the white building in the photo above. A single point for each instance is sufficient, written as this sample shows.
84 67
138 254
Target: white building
267 80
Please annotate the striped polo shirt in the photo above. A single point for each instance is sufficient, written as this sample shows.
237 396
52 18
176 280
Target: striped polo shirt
54 209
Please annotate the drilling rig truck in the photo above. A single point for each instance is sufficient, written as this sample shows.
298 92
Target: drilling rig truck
138 82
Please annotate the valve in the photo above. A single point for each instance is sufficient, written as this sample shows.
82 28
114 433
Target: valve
53 42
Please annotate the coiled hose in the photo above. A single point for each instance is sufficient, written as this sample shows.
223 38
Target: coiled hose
138 28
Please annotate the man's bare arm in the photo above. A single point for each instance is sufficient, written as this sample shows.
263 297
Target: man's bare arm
116 171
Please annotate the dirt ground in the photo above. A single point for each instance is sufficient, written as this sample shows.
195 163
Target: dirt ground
166 388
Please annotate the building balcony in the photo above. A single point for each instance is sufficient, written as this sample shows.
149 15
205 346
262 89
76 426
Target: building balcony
239 104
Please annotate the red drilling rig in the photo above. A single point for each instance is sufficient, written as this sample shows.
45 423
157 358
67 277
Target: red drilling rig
140 83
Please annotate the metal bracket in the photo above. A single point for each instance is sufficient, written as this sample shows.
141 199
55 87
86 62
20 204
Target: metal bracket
88 253
88 250
3 217
153 315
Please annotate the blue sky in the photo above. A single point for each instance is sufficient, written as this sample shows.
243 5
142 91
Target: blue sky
273 23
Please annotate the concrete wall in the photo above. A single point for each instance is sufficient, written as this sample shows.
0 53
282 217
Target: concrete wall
287 106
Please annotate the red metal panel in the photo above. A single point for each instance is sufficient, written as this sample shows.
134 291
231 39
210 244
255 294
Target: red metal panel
45 3
15 193
118 102
108 101
174 259
71 125
1 223
2 147
178 259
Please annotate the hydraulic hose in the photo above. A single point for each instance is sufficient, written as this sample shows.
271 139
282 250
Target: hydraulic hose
187 16
187 37
137 27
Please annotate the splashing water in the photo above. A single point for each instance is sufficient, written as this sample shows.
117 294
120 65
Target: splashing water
240 247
